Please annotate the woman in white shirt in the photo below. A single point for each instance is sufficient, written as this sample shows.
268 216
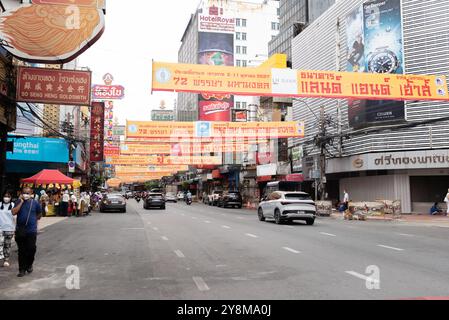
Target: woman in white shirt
7 228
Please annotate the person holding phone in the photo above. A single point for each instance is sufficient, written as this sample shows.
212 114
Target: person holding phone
28 212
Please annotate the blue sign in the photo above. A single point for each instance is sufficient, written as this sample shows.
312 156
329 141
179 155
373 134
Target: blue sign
39 150
203 129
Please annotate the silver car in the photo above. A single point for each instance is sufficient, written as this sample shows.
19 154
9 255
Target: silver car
285 206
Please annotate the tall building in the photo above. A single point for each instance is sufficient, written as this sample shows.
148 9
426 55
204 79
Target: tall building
390 151
231 33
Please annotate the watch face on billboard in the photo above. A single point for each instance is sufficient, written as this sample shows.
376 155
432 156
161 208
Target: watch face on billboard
374 45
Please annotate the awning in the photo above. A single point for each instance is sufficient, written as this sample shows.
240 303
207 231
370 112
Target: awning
47 177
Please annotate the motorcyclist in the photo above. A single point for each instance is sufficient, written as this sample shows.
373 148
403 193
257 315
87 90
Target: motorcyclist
189 197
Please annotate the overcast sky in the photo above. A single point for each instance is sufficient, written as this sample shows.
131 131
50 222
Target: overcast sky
136 32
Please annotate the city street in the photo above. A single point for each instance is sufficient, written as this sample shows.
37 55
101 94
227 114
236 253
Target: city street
201 252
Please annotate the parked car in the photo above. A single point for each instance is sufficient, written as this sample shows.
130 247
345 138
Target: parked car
113 202
230 199
284 206
213 197
154 200
170 197
180 196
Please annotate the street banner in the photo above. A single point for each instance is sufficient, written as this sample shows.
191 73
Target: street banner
182 148
147 175
151 169
296 83
111 151
225 130
53 86
163 160
51 31
97 132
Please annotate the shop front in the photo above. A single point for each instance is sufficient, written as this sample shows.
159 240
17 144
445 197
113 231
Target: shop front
417 179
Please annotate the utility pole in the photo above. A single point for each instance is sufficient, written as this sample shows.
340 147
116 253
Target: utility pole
322 164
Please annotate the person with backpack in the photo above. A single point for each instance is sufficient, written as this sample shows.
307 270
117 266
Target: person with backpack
28 212
7 228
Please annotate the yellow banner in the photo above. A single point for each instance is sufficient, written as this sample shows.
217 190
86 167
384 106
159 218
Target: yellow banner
150 169
143 175
224 130
296 83
163 160
182 148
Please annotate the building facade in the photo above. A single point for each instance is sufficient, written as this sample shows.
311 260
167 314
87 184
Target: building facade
390 151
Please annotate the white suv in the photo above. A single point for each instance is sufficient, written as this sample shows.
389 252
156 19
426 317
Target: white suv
285 206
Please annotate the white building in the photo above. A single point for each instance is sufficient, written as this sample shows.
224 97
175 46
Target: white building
256 22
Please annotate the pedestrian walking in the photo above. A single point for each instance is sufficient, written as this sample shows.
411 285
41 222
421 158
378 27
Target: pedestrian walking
74 201
28 212
446 199
65 204
7 228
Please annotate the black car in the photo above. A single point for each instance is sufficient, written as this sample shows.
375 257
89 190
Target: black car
113 202
230 199
154 200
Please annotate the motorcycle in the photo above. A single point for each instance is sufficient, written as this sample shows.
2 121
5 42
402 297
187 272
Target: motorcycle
138 199
189 201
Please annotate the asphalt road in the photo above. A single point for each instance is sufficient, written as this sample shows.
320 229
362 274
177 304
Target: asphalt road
201 252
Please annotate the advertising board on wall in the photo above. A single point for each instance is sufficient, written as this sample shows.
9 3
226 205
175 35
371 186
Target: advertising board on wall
375 45
52 31
53 86
39 150
97 132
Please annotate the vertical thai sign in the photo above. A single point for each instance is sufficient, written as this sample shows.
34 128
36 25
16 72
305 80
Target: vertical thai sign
97 132
216 47
374 41
109 121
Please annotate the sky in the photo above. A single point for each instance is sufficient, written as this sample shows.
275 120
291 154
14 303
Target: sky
138 31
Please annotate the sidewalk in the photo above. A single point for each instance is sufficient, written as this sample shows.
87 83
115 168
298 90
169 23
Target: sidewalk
49 221
425 220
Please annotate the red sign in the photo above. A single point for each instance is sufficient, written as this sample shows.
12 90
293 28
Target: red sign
216 174
102 92
111 151
97 132
264 179
215 111
294 178
53 86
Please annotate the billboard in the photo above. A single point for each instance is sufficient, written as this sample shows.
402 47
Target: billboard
52 31
97 132
215 49
39 150
224 130
53 86
163 160
375 45
297 83
105 92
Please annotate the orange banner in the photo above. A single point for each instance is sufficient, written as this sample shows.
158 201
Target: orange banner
296 83
182 148
150 169
224 130
163 160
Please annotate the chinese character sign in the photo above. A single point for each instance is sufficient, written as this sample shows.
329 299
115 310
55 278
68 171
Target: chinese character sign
97 132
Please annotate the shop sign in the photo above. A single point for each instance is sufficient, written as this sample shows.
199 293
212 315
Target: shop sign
53 86
52 31
432 159
267 170
97 132
193 78
111 151
39 150
104 92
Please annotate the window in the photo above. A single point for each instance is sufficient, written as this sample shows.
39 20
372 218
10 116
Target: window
238 49
244 50
243 22
244 36
273 26
238 35
244 105
237 105
279 11
238 63
237 22
244 63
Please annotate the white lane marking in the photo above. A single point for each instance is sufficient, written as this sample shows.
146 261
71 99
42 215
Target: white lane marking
391 248
156 229
328 234
179 254
201 284
133 229
361 276
221 266
251 235
207 222
291 250
164 238
290 227
406 235
226 227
